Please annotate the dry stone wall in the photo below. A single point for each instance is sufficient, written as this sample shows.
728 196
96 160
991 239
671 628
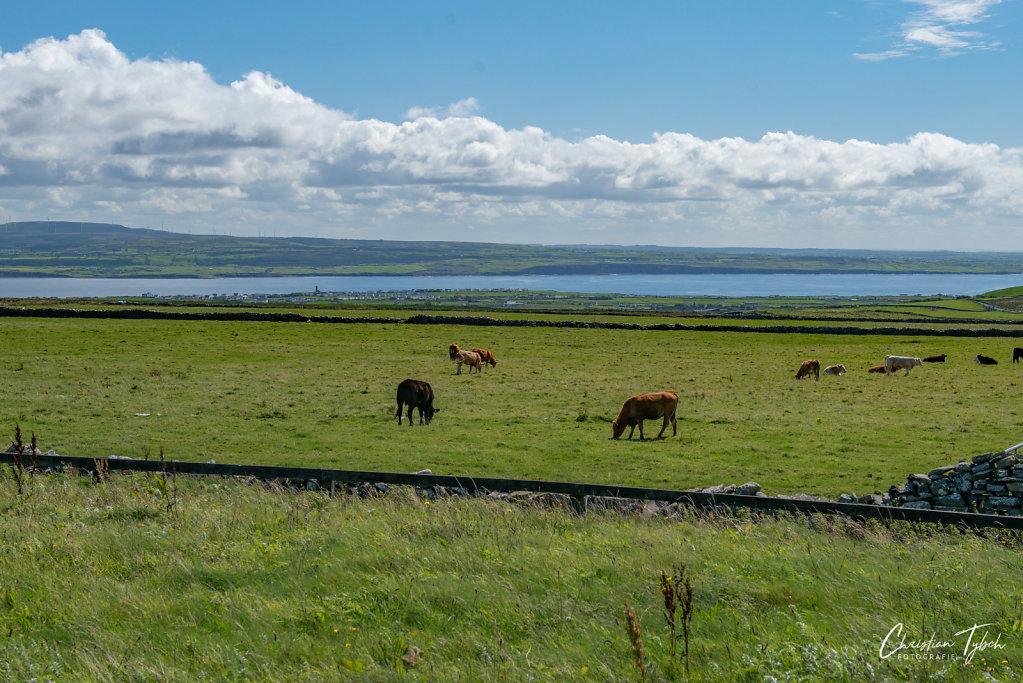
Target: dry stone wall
485 321
991 483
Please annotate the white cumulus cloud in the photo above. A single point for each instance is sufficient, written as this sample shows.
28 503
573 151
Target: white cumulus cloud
88 134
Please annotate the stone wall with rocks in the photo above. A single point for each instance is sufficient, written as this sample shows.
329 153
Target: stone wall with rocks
991 483
485 321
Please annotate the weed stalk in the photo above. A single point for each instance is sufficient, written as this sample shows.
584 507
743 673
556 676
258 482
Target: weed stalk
19 469
635 637
677 594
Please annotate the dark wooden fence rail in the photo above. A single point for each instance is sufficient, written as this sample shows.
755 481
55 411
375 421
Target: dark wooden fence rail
481 485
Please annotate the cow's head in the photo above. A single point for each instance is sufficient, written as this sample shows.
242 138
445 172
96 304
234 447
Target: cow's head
428 413
617 429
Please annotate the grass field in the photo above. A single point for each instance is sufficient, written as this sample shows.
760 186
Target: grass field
212 580
323 396
142 579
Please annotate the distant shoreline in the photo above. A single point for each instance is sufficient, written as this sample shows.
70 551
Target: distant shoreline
594 272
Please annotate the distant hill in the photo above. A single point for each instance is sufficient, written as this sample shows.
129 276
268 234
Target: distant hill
69 249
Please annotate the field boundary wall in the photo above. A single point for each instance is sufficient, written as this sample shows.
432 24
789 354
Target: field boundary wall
485 321
582 494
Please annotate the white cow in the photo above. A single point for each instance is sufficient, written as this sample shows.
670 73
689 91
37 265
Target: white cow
469 358
837 370
895 362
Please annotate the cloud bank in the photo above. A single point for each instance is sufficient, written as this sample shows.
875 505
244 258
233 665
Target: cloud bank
88 134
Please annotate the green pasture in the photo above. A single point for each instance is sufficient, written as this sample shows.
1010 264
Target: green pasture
137 578
323 395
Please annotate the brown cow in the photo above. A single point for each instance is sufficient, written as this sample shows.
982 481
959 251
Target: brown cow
878 368
416 394
936 359
453 351
646 407
486 357
807 367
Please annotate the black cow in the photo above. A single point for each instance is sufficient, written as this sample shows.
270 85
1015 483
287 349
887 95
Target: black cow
1017 353
936 359
985 360
416 394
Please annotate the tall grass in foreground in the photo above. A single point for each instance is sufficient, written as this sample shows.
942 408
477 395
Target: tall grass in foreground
107 582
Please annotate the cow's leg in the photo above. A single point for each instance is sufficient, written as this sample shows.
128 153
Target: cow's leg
398 414
420 414
664 425
632 430
409 414
641 430
459 369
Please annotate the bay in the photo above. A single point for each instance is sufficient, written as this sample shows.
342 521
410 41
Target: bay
714 284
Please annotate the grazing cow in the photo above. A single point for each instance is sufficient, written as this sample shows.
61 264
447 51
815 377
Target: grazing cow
985 360
892 363
453 351
471 359
837 370
878 368
646 407
936 359
1017 353
807 367
486 357
416 394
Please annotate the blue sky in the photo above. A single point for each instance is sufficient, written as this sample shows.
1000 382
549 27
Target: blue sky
822 123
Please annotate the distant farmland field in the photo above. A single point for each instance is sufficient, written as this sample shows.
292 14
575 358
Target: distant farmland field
323 396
